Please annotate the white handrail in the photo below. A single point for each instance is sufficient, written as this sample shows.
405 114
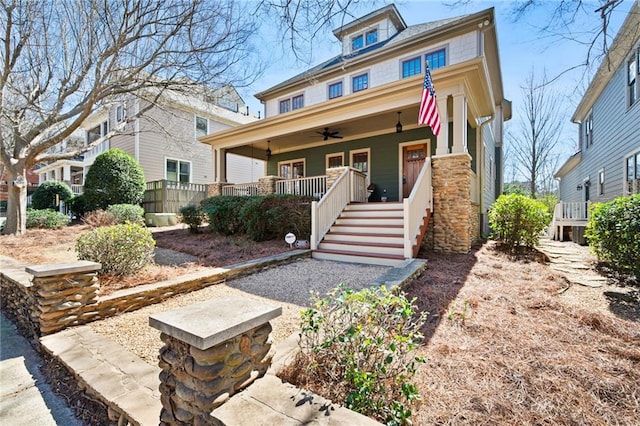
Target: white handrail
358 186
325 212
415 207
572 210
313 186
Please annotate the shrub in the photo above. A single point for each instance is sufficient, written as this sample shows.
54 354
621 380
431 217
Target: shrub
46 219
613 232
127 213
224 213
78 205
121 249
273 216
99 218
357 346
114 178
44 196
518 220
192 216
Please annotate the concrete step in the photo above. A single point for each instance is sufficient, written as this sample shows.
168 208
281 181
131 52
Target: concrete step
370 248
375 221
373 206
364 238
394 230
397 214
358 257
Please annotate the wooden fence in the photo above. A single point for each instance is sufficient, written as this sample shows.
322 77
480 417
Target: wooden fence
165 196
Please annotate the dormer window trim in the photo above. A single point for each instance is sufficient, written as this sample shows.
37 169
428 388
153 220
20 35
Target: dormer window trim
363 36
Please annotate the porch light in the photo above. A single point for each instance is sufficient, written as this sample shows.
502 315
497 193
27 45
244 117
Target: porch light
399 124
579 187
268 152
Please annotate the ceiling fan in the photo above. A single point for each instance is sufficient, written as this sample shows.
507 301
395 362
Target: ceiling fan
326 134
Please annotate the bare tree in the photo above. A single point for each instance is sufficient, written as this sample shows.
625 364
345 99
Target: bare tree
534 141
63 60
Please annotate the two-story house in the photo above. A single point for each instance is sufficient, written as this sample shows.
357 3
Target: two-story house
608 117
356 115
163 139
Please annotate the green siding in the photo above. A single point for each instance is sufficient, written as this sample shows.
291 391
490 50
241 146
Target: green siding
383 161
472 147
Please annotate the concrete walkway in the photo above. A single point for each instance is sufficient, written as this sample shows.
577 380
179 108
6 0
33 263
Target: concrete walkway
25 397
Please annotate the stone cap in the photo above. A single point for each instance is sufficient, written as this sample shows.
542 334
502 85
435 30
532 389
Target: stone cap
209 323
52 269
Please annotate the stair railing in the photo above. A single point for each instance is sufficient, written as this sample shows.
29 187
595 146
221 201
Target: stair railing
325 212
416 207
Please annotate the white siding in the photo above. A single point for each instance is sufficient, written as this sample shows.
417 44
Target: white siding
244 169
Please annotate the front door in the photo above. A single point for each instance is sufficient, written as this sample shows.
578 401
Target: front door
412 161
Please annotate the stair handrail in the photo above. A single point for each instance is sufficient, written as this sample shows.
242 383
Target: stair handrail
325 212
415 207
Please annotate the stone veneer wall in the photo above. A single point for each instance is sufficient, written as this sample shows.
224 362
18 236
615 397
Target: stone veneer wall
267 185
475 223
39 309
452 216
215 189
194 382
333 174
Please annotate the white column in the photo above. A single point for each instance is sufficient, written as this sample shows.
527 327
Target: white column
66 173
220 164
442 143
459 123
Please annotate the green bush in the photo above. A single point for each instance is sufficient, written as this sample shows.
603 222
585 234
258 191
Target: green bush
44 196
46 219
127 213
613 232
273 216
192 216
517 220
121 249
78 205
357 346
223 212
114 178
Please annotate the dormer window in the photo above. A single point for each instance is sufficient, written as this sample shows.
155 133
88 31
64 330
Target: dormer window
357 42
372 36
366 39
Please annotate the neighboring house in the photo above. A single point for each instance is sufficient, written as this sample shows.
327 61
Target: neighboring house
359 110
608 162
162 140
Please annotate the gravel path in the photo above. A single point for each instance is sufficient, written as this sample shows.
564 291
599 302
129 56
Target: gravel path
288 285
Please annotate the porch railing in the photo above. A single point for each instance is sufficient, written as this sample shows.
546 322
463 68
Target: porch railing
325 212
314 186
568 214
77 189
358 186
241 189
415 208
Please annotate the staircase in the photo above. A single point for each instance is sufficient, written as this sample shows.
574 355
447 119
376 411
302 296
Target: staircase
370 233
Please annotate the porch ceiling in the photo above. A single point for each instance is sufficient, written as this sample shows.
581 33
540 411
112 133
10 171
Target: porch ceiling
368 113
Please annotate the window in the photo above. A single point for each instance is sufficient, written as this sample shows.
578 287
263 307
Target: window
411 67
285 106
588 130
178 171
97 132
121 114
601 182
372 37
357 42
436 59
360 82
335 90
632 177
202 127
361 160
632 78
297 101
291 169
335 160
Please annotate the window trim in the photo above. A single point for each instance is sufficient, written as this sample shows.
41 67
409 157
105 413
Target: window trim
635 158
289 100
363 34
195 123
178 162
407 60
632 87
293 99
285 101
366 36
341 82
121 114
357 75
444 49
354 38
359 151
291 162
588 130
332 155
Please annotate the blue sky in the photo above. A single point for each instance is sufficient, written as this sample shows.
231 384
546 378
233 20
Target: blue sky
522 47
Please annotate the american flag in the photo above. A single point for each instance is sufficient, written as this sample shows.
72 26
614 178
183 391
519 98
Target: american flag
428 106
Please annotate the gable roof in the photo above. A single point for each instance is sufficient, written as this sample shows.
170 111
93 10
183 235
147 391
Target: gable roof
401 39
389 11
626 38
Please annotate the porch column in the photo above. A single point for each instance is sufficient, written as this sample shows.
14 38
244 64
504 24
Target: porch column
220 164
442 143
57 173
459 123
66 173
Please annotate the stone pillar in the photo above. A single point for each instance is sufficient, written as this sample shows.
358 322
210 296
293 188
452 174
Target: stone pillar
333 174
452 209
442 143
212 350
267 185
215 189
459 124
61 292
